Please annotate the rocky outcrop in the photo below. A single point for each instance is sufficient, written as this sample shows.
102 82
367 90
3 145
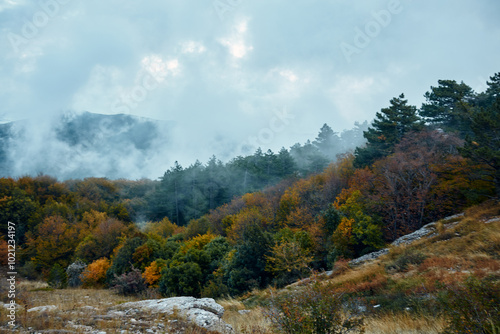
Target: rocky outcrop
203 312
426 231
43 309
369 257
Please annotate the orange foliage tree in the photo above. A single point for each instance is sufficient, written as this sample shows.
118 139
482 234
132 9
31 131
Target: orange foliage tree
54 242
102 239
164 228
242 221
152 273
338 176
95 273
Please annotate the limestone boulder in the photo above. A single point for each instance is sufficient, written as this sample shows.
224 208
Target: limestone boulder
204 312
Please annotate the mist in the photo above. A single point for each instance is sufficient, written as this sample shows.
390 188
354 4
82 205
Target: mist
220 77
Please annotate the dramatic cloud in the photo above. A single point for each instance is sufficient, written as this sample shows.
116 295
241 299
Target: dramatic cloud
221 71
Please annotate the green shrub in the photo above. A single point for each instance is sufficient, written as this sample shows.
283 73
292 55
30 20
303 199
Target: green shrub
30 271
181 279
314 310
57 277
473 307
408 257
215 289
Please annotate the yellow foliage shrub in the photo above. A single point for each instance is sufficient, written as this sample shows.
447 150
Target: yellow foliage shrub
198 242
95 274
152 273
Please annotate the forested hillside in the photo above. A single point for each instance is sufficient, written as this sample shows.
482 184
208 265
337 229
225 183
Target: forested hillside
216 229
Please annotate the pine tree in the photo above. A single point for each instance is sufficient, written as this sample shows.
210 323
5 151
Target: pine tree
285 163
388 128
484 143
487 98
327 142
448 106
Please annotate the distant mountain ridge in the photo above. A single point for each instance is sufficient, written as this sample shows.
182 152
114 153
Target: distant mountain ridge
78 145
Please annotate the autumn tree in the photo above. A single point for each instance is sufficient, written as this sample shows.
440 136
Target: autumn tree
95 273
164 228
290 256
359 230
246 219
53 242
18 207
337 176
4 253
103 237
404 180
152 273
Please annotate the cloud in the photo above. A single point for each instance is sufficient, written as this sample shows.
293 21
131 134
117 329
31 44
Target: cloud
236 42
289 75
7 4
221 81
192 47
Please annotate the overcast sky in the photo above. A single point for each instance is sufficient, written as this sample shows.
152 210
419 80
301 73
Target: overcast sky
236 73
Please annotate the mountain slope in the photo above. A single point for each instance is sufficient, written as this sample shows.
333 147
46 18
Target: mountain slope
83 145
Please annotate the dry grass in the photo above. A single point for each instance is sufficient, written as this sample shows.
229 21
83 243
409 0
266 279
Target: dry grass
87 311
369 276
250 321
400 323
253 322
38 294
73 306
404 323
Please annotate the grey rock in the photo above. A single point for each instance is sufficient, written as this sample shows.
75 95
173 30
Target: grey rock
40 309
492 220
204 312
414 236
426 231
369 257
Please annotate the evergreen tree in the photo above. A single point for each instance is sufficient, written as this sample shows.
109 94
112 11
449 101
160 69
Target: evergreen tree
285 163
487 98
484 143
308 158
173 195
389 126
352 138
448 106
327 142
